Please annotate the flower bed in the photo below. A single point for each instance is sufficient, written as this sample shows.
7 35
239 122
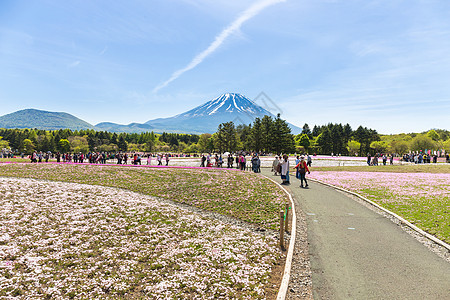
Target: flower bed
421 198
243 195
64 240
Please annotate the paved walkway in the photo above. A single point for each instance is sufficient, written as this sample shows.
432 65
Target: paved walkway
357 254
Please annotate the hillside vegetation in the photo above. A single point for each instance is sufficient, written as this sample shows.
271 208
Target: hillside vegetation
46 120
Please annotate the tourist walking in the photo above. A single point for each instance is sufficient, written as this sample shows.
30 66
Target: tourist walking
230 161
302 168
242 162
208 160
285 169
375 160
308 160
254 162
275 164
297 161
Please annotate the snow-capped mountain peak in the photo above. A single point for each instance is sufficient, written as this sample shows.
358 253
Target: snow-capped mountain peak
207 117
227 103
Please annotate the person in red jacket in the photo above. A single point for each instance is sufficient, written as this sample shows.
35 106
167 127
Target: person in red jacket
302 168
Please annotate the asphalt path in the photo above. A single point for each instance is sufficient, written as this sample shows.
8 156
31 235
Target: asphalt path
356 253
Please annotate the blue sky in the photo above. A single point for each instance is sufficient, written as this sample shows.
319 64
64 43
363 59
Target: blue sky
380 64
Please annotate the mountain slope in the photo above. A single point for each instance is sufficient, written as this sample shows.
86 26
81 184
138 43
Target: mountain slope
202 119
33 118
130 128
207 117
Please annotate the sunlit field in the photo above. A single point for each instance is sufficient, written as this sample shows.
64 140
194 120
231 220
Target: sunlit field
61 239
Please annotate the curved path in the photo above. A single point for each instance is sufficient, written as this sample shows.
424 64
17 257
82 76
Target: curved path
356 253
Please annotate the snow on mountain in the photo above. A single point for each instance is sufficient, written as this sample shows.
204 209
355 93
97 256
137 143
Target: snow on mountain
229 103
207 117
202 119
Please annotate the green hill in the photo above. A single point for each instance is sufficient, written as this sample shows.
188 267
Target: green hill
33 118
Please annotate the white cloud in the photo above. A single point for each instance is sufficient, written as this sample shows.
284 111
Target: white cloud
234 27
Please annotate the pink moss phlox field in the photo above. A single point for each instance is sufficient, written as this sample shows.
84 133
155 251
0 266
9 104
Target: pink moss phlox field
243 195
65 240
421 198
116 165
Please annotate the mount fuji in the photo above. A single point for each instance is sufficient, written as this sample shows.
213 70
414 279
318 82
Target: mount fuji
204 118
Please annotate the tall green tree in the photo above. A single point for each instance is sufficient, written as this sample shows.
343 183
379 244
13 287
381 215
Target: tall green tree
303 141
268 137
324 141
64 145
204 143
256 136
122 144
365 136
28 146
226 139
353 147
284 140
244 133
306 130
3 144
422 143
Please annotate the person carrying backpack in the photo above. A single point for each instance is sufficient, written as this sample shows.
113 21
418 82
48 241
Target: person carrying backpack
302 168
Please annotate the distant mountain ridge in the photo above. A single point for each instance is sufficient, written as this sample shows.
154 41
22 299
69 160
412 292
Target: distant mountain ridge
40 119
201 119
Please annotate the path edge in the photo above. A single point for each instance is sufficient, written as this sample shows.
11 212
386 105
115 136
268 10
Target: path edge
400 219
282 292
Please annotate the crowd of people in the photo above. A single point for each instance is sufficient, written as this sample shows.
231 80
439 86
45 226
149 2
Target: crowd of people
373 161
216 160
98 157
419 158
6 153
281 166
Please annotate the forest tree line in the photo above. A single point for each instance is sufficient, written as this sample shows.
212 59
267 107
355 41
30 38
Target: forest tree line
264 135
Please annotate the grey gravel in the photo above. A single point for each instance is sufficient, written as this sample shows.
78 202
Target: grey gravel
300 283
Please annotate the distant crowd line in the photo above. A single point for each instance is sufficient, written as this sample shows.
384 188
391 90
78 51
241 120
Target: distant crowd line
419 158
236 160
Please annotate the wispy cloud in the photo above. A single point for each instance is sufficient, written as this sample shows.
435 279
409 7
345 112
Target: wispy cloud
234 27
104 50
74 64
